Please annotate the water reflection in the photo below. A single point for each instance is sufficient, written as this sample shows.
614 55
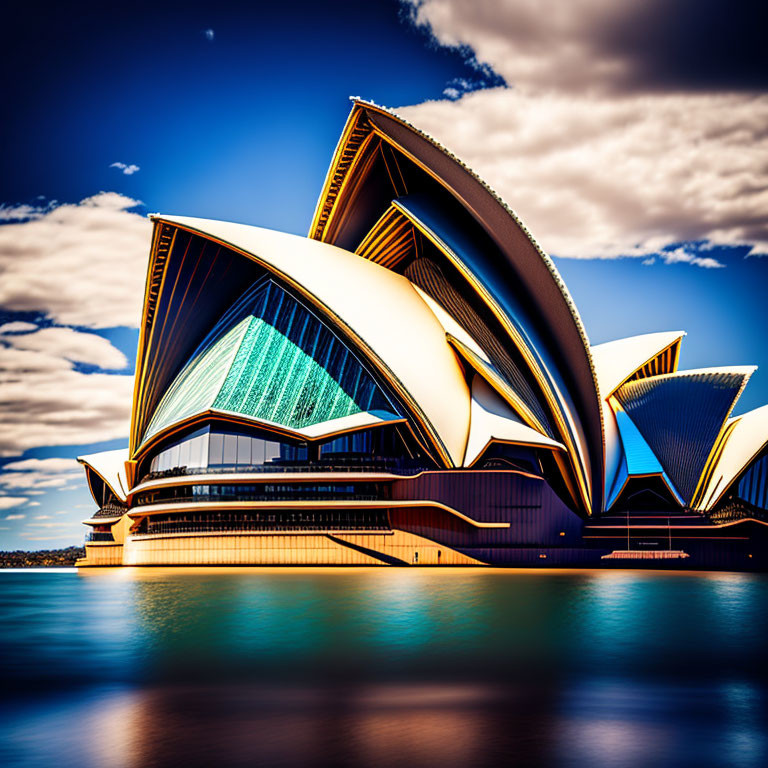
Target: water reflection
296 667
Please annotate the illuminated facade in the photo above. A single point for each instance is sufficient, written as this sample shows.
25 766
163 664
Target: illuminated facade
411 384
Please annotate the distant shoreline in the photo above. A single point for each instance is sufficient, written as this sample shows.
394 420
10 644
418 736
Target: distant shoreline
41 558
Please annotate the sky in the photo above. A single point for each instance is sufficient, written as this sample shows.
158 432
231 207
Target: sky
632 139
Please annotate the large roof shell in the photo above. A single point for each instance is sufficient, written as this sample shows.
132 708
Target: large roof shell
407 347
526 265
270 359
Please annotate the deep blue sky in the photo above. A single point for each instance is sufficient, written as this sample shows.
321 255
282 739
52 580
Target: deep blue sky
242 127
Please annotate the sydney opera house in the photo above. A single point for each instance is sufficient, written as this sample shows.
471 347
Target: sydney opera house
411 384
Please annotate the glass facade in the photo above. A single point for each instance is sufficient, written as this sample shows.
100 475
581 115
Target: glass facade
266 520
264 492
380 444
215 447
271 359
228 449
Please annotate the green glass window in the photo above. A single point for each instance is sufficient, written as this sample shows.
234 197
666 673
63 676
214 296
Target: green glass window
270 359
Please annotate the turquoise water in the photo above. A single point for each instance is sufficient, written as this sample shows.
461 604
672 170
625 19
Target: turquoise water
380 667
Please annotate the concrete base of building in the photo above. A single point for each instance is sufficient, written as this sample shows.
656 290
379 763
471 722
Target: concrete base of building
312 548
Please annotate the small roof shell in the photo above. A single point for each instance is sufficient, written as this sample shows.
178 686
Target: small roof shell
110 467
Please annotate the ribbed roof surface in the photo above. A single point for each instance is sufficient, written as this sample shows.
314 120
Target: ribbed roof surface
680 415
639 459
356 195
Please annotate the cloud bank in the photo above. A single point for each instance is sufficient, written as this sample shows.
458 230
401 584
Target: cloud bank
46 401
40 473
600 150
80 264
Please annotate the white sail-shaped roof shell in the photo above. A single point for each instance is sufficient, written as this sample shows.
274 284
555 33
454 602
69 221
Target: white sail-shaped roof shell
747 436
110 467
616 361
378 307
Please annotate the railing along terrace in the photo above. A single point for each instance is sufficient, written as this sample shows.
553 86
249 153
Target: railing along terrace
737 509
141 501
253 527
111 509
98 536
311 467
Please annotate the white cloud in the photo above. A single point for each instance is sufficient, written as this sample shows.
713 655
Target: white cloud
40 473
563 44
22 480
608 176
127 168
21 212
683 256
50 466
17 326
71 345
595 163
49 525
48 474
209 35
62 407
47 402
80 264
9 502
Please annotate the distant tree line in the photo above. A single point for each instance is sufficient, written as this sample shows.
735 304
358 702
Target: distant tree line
41 558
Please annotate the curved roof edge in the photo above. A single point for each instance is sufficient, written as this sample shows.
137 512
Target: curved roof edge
110 467
748 436
384 340
451 327
359 102
740 370
588 394
617 361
